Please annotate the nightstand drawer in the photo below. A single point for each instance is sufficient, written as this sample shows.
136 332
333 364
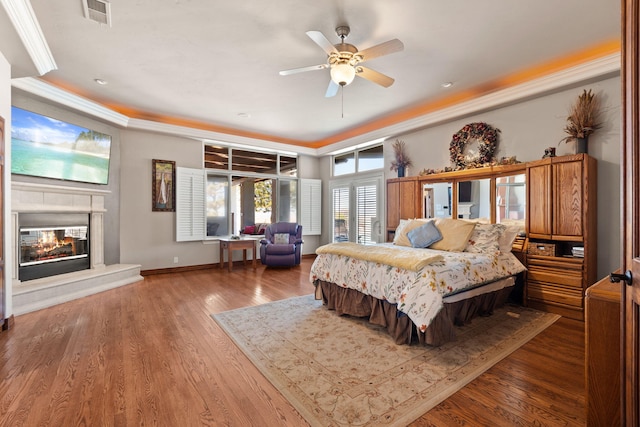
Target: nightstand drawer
566 278
554 294
559 263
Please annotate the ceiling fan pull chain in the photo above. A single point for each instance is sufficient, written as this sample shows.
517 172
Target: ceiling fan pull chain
342 99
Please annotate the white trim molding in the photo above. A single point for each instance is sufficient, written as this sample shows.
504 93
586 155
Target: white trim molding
26 25
45 90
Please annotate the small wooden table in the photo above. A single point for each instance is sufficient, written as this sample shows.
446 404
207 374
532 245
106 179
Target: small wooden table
235 244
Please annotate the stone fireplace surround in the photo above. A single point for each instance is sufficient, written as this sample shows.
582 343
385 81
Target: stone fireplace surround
40 293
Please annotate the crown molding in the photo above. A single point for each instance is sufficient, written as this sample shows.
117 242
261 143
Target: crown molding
26 25
605 66
45 90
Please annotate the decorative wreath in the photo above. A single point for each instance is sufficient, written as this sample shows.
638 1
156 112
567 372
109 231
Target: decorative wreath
487 137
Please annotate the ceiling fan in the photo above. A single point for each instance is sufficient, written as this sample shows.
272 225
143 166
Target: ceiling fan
344 60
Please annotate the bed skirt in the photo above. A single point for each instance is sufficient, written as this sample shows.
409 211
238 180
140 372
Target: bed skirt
400 327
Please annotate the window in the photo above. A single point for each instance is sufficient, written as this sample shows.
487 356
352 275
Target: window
361 160
344 164
216 157
357 210
245 188
217 194
288 200
366 212
370 159
341 214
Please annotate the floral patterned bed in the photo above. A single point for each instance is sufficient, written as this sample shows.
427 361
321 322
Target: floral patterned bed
417 294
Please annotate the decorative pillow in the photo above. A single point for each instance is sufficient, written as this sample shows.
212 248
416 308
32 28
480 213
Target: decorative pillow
424 235
401 238
506 240
281 238
249 229
485 237
401 225
455 234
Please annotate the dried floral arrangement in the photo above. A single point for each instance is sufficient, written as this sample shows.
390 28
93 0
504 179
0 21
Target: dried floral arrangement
401 158
583 117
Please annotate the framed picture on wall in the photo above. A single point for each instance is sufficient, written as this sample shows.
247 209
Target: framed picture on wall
163 179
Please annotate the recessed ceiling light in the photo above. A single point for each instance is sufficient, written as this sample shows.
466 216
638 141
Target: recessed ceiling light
100 81
244 115
446 85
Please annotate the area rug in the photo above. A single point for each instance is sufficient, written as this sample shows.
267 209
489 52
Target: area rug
342 371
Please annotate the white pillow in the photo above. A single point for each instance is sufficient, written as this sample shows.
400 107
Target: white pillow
484 238
401 225
506 240
455 234
281 238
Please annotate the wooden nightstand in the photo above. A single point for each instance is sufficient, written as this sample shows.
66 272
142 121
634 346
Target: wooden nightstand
602 353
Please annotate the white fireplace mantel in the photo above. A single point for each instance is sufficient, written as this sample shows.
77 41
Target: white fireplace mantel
35 294
28 197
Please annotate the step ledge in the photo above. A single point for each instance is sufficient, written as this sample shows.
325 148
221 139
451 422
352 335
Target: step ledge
49 291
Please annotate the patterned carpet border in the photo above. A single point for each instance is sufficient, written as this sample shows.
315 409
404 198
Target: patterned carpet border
342 371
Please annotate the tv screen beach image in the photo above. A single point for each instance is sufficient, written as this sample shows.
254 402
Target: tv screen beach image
45 147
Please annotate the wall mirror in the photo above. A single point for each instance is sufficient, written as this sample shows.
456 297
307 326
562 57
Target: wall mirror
511 199
436 200
474 199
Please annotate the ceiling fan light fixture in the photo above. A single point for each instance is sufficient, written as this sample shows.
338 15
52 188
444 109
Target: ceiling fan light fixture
343 73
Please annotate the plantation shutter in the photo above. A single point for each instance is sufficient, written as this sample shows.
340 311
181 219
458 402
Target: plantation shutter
311 206
366 212
190 204
340 216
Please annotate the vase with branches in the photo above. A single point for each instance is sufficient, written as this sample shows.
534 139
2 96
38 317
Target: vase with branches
583 120
401 160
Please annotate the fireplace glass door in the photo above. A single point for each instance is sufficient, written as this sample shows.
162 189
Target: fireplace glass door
47 251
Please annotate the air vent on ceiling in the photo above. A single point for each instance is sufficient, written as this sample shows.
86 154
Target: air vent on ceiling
97 10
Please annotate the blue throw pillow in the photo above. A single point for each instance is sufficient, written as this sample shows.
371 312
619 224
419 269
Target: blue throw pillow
425 235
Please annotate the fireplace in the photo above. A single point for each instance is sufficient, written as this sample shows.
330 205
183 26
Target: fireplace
74 212
52 243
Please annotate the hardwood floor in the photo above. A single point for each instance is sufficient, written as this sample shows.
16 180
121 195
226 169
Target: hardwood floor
150 354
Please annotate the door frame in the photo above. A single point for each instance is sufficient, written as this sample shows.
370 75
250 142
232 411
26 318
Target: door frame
630 212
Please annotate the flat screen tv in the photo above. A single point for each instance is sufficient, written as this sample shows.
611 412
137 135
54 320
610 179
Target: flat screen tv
49 148
464 191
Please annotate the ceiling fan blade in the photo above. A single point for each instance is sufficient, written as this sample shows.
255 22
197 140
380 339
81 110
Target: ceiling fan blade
303 69
322 41
374 76
332 89
385 48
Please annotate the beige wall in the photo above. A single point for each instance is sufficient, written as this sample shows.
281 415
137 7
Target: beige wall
148 238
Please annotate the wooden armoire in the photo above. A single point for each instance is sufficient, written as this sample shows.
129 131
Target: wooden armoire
561 226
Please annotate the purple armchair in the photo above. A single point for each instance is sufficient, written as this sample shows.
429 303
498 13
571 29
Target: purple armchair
282 244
